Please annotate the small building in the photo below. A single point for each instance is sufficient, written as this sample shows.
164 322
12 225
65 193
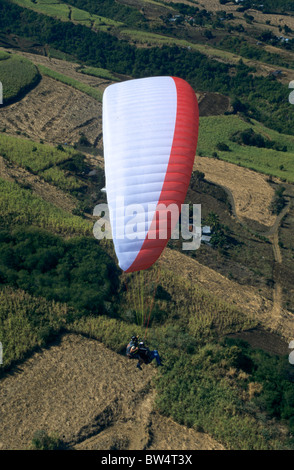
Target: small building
206 230
206 235
205 239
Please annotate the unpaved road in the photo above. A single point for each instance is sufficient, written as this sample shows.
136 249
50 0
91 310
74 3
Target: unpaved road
92 398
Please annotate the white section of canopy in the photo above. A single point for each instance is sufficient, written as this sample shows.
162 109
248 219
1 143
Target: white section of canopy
139 119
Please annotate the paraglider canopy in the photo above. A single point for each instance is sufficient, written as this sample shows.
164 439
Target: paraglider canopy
150 131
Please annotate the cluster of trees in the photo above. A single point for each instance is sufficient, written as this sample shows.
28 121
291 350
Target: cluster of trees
278 203
251 138
241 46
77 272
110 9
18 75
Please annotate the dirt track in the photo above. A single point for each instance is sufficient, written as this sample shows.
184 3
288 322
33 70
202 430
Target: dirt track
92 398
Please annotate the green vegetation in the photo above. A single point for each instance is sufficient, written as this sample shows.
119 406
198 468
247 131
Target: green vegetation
31 155
64 12
110 9
43 441
98 72
17 75
27 322
279 201
250 144
53 164
229 389
4 55
269 6
93 92
252 139
76 271
240 46
19 206
61 179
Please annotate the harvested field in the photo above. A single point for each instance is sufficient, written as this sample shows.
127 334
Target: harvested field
54 113
251 193
92 398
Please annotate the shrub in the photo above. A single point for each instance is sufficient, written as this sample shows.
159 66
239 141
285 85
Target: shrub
44 441
223 147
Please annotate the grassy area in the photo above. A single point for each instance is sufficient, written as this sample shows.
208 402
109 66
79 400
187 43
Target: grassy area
19 206
4 55
42 159
31 155
17 75
160 40
99 72
65 12
59 178
93 92
216 130
27 322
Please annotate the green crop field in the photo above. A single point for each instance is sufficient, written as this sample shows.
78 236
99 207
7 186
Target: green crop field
17 75
19 206
40 159
216 130
31 155
99 72
65 12
26 322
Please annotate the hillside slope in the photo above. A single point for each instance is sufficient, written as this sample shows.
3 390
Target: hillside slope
92 398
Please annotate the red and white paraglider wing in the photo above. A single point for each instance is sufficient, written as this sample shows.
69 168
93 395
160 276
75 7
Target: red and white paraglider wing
150 131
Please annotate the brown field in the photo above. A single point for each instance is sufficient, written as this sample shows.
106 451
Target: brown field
251 192
92 398
55 113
